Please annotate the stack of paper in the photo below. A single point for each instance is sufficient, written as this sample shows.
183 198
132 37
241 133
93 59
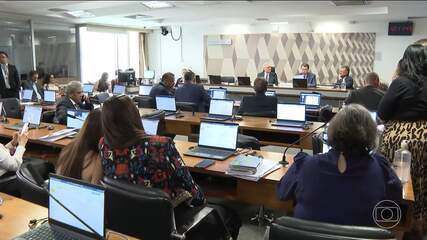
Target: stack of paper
58 135
265 167
245 164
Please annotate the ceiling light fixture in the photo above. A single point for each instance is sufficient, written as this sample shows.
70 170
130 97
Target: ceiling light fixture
157 4
279 23
80 14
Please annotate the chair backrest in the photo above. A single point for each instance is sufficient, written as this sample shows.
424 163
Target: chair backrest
187 106
144 101
11 107
48 116
138 211
29 188
215 79
297 229
317 143
271 114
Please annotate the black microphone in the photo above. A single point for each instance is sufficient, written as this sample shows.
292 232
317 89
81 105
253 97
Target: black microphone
39 180
284 162
75 117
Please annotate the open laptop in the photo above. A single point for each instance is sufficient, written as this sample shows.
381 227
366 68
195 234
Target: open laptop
150 125
27 95
76 118
166 103
218 93
119 89
49 97
220 110
217 140
88 88
85 200
290 115
311 100
244 81
32 115
270 93
299 82
144 90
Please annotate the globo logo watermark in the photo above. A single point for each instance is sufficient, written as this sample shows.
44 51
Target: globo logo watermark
387 214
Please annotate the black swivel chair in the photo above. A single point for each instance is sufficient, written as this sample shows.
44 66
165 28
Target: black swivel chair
11 107
29 175
48 116
145 213
144 101
297 229
187 106
8 183
214 79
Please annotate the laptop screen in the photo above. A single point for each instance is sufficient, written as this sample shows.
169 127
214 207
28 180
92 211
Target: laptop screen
144 90
148 73
270 93
221 135
87 88
32 114
49 96
291 112
218 93
221 107
27 94
312 99
76 118
119 89
150 126
84 200
373 116
165 103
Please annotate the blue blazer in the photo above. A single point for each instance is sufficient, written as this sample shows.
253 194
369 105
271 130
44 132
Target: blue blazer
311 80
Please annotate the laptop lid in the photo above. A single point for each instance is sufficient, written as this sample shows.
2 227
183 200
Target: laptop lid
87 88
76 118
221 107
218 135
299 82
27 94
144 90
166 103
49 96
150 125
83 199
218 93
291 112
311 99
119 89
270 93
32 115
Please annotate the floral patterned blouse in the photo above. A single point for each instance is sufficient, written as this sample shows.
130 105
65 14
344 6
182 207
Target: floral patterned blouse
153 162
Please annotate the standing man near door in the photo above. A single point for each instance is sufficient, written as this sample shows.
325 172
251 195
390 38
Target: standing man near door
9 78
269 76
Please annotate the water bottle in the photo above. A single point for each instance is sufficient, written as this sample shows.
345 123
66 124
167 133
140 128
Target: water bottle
402 162
343 85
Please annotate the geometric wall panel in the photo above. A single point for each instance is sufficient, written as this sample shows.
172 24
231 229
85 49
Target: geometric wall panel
324 52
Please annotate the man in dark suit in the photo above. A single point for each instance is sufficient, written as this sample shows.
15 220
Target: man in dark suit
191 92
344 76
259 105
74 99
9 78
269 76
370 95
311 77
32 85
165 87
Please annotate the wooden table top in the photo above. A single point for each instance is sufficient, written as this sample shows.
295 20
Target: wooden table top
17 213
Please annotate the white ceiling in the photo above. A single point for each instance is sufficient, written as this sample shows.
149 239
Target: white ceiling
215 12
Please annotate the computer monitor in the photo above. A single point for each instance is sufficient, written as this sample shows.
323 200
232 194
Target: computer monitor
270 93
218 93
76 118
291 112
150 125
49 96
218 135
227 79
32 114
83 199
310 99
27 94
299 82
166 103
214 79
149 74
144 90
221 107
119 89
87 88
126 77
244 81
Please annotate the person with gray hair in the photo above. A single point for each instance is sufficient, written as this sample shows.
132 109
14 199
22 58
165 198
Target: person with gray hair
370 95
269 75
343 185
73 99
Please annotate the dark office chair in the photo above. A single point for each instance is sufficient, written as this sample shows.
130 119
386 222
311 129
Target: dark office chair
145 213
144 101
187 106
271 114
244 81
227 80
297 229
8 183
48 116
325 113
101 97
11 107
317 142
214 79
31 176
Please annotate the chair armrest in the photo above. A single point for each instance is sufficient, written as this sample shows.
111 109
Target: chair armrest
192 218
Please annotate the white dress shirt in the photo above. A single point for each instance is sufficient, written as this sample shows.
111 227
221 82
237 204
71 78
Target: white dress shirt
5 71
36 90
10 162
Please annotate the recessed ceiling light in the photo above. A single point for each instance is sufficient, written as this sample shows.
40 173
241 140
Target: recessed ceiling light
279 23
157 4
80 14
51 37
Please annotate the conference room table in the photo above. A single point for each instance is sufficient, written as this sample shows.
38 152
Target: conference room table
188 123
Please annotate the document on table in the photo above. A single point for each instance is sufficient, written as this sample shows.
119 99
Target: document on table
58 135
266 166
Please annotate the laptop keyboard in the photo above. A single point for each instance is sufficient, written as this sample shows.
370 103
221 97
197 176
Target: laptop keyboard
211 151
215 116
45 232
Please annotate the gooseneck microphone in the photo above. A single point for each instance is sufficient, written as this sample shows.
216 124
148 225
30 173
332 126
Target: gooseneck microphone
284 162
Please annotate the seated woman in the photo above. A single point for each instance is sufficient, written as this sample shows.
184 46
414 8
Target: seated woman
49 83
343 185
152 161
80 159
11 154
102 85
